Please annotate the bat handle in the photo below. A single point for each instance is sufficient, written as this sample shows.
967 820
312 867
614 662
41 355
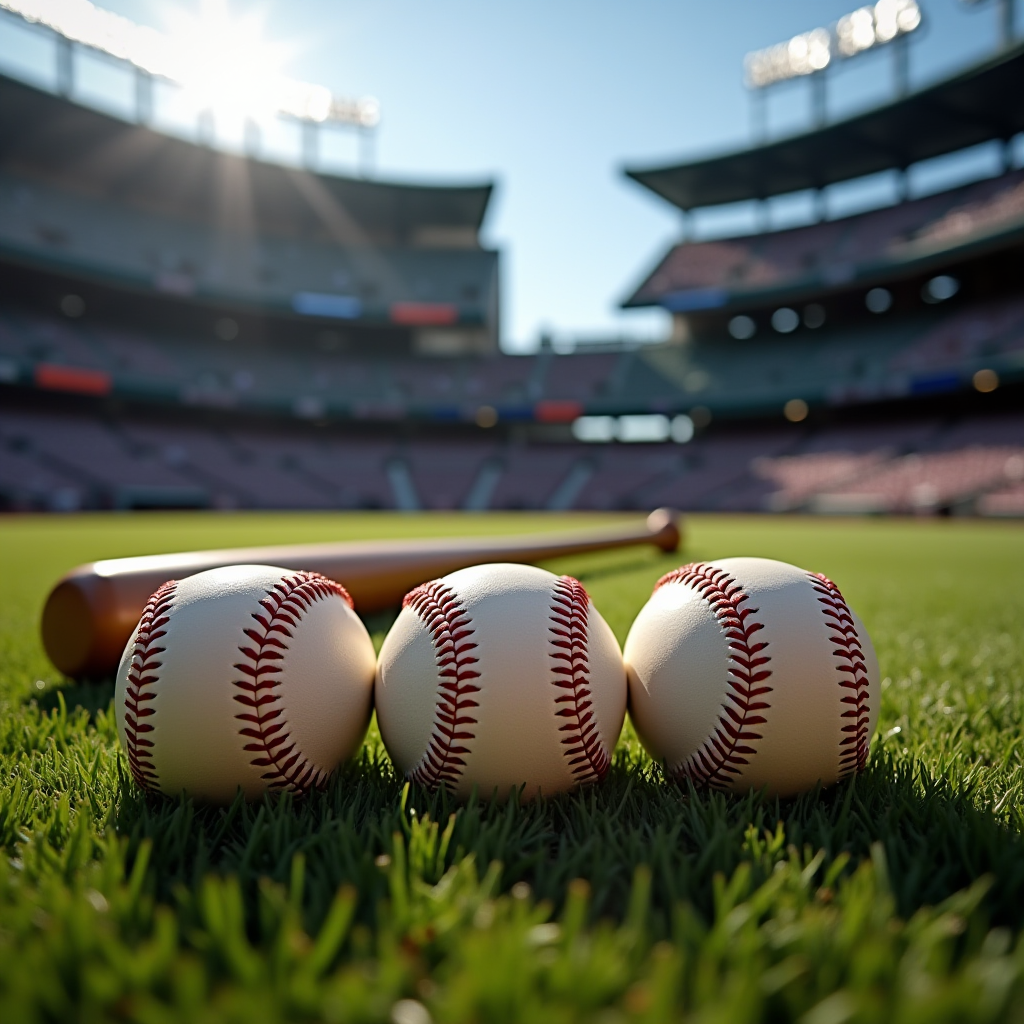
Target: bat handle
664 526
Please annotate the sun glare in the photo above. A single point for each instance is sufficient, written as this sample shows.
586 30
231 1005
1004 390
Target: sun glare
226 66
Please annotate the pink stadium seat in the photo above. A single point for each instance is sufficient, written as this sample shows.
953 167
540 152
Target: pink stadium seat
965 337
532 474
579 377
444 472
796 478
834 247
1006 501
925 482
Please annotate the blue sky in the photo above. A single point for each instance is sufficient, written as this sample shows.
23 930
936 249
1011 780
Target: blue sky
550 99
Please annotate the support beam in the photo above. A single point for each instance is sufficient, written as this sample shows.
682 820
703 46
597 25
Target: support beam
65 66
206 128
819 99
1007 22
143 97
901 66
252 138
310 145
759 116
902 185
820 205
367 152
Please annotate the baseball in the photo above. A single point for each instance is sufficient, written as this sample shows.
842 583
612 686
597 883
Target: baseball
500 676
747 673
247 677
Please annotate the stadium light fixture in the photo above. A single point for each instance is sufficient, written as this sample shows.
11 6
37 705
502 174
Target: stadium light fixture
174 59
878 300
742 327
940 288
811 52
795 410
682 429
985 381
594 429
785 320
635 428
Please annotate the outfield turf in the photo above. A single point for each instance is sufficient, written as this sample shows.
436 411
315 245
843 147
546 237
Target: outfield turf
898 895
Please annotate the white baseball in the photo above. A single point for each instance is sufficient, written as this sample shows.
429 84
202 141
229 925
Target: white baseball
247 677
747 673
499 676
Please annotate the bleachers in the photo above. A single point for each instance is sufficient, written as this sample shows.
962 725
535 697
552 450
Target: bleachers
833 249
443 473
797 478
79 460
1006 501
183 257
531 475
997 328
716 472
921 482
623 475
990 206
355 469
581 377
836 366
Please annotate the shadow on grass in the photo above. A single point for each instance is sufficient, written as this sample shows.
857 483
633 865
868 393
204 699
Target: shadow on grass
936 839
615 568
92 696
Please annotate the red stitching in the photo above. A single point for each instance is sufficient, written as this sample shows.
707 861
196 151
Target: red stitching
448 623
723 754
142 675
570 611
284 605
853 748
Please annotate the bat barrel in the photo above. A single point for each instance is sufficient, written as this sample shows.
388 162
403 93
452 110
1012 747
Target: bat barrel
92 611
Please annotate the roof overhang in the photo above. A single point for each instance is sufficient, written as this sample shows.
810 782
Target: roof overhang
90 152
978 105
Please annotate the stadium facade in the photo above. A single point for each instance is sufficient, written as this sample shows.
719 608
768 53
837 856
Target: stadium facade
183 327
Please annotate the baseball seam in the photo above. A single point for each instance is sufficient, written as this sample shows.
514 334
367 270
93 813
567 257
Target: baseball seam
140 689
724 753
282 608
448 624
853 747
570 608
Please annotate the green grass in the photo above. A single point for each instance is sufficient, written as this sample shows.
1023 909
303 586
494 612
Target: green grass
896 896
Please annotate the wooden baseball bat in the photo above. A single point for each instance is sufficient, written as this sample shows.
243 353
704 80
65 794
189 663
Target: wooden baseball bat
91 612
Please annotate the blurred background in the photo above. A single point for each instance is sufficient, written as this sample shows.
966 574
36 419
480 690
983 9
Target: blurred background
736 256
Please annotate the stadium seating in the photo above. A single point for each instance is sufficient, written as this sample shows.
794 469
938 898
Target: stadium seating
443 473
832 250
78 460
966 336
797 478
922 482
622 475
531 475
1006 501
837 366
134 246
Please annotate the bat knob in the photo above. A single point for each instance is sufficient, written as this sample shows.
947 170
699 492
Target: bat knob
665 525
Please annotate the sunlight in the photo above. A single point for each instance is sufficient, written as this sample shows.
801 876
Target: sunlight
224 63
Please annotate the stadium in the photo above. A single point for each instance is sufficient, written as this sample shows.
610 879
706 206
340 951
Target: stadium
349 656
183 327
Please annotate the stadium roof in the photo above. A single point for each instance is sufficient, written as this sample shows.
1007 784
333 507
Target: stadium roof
981 104
93 153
